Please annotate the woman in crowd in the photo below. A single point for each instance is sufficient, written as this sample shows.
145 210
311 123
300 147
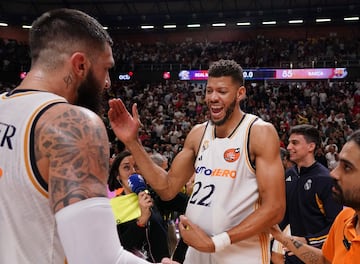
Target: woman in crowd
146 235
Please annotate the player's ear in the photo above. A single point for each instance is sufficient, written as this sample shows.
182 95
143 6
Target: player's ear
80 64
241 93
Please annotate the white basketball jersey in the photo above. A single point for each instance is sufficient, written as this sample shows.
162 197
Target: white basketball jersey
225 192
28 233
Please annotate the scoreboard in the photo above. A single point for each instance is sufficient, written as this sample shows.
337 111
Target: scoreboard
274 74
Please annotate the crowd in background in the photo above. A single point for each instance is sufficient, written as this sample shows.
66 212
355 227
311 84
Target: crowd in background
169 109
257 52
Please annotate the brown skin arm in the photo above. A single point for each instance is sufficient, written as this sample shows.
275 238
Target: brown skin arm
306 253
72 154
277 258
270 178
265 151
166 184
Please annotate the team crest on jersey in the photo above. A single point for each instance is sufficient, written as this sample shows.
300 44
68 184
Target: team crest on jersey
231 155
205 145
307 185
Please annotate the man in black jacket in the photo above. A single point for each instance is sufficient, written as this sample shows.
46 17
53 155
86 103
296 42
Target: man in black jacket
310 207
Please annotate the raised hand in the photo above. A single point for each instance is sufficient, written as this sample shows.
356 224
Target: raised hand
124 125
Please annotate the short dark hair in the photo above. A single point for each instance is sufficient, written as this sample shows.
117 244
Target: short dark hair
355 136
230 68
310 133
64 31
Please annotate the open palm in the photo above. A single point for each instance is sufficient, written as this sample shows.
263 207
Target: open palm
124 125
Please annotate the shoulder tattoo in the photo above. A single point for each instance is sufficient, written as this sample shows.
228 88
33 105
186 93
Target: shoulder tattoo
78 153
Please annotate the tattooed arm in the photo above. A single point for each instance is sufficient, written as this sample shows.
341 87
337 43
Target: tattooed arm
308 254
72 154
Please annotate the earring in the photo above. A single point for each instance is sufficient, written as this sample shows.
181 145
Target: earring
119 181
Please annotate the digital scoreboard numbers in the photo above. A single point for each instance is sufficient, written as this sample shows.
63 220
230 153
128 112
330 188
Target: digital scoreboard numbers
258 74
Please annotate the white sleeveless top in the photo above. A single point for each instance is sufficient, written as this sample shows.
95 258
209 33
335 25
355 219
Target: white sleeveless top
28 232
226 192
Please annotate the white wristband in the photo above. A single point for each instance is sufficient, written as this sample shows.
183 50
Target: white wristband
221 241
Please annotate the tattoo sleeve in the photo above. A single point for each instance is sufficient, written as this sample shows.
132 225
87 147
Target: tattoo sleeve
76 146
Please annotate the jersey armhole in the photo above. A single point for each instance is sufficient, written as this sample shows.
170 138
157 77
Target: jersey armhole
31 147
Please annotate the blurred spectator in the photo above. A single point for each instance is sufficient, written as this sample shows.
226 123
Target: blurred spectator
320 156
332 156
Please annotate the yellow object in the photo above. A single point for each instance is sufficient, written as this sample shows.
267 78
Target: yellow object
125 208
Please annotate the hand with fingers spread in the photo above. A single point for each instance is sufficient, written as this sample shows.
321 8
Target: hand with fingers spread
194 236
124 124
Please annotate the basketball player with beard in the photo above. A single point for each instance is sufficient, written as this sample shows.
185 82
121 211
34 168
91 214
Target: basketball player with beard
239 190
54 150
342 244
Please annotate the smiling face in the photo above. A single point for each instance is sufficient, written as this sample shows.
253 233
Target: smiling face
301 151
222 97
347 176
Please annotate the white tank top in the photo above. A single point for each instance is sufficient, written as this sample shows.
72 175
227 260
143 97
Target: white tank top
28 232
226 192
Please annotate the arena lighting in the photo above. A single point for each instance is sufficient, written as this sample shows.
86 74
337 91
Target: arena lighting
243 24
218 24
321 20
355 18
25 26
105 28
3 25
296 21
269 22
147 27
193 25
169 26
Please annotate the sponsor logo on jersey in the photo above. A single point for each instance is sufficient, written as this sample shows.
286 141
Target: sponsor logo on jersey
218 172
231 155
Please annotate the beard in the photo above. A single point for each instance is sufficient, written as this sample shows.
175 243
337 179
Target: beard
347 198
90 94
228 113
